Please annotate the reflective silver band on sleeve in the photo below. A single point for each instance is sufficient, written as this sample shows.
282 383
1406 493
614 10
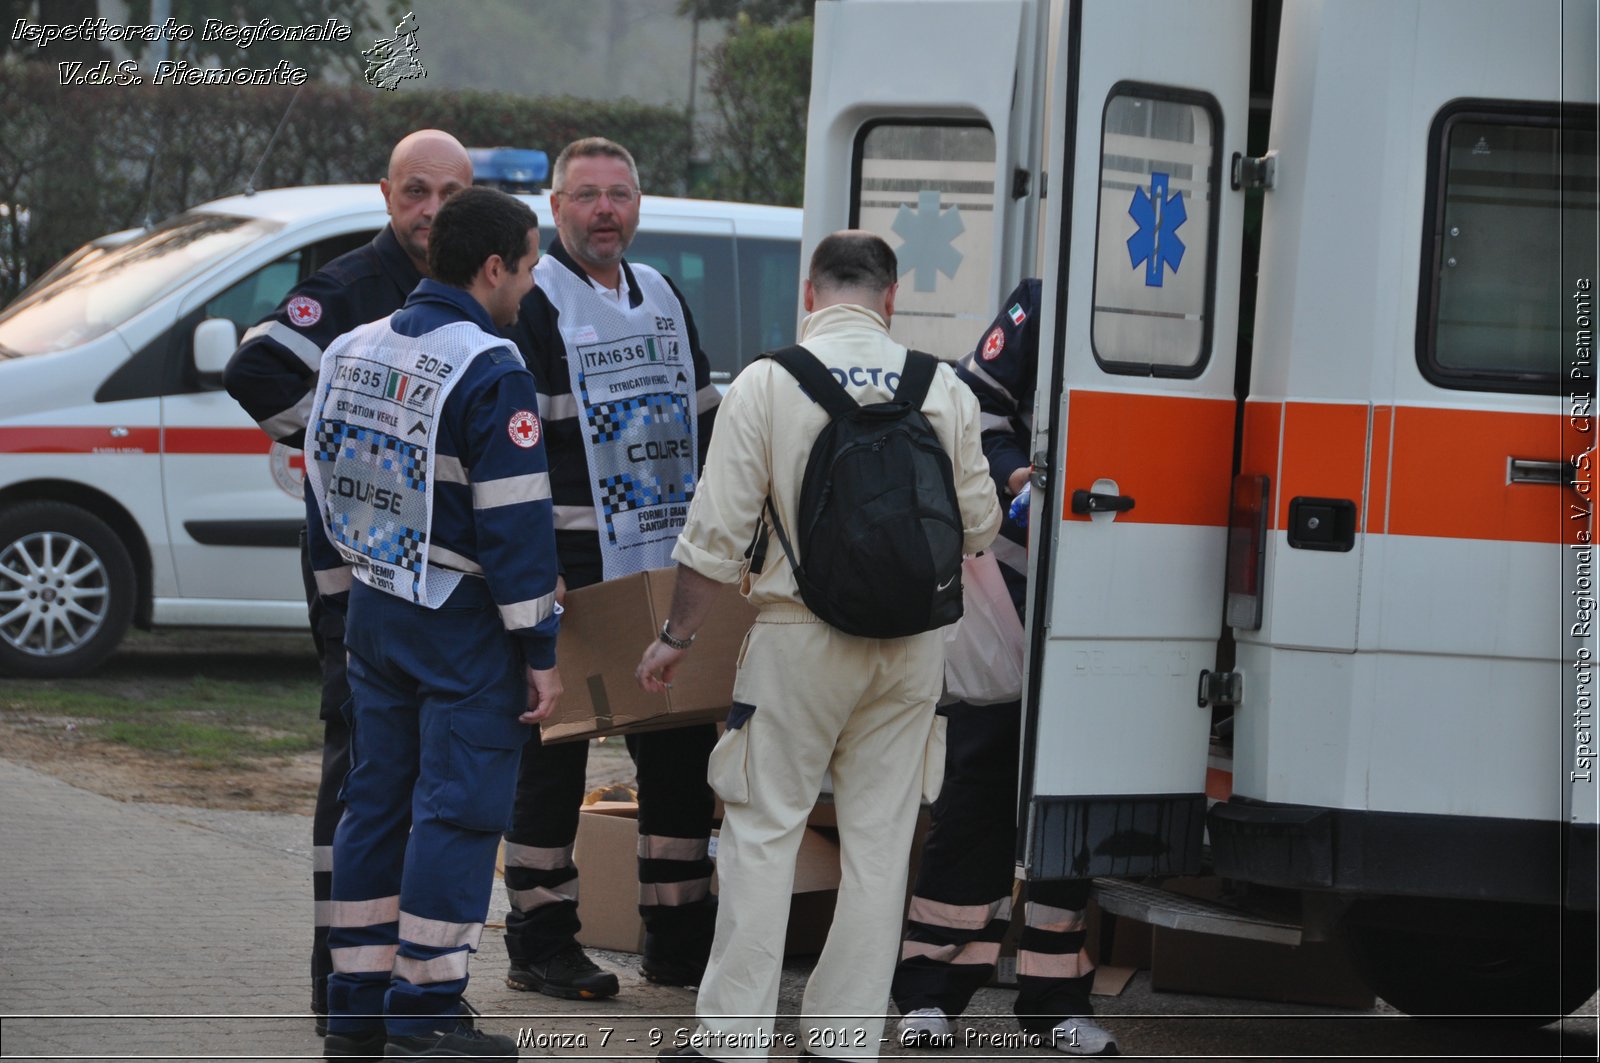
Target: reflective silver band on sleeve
281 426
706 398
438 555
334 581
971 365
557 407
993 422
529 612
438 934
576 518
447 469
302 346
510 490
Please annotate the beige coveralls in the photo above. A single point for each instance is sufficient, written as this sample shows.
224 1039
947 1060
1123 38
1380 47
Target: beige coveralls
825 701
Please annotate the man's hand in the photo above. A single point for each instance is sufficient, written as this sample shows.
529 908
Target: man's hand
544 690
1019 477
657 666
561 591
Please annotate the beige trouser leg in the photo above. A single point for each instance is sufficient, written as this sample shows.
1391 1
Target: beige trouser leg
864 709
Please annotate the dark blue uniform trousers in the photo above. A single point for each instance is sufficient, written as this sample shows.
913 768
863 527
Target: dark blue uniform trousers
435 743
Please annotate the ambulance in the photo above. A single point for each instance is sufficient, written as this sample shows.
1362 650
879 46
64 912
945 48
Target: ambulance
133 490
1312 585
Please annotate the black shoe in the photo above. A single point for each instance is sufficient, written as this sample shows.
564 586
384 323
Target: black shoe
461 1042
664 971
569 974
321 1024
367 1046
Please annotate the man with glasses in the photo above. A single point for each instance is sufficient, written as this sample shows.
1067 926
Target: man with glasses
627 403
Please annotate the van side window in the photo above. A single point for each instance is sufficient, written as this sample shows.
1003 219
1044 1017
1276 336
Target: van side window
702 268
1507 236
769 292
1156 231
927 187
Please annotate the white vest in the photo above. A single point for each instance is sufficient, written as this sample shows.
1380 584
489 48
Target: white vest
371 441
632 372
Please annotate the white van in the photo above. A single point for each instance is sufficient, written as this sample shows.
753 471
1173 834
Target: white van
134 490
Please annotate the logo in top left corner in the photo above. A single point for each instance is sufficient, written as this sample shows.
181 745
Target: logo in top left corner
524 428
304 311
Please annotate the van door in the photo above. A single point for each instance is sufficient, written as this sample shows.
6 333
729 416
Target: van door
924 129
1141 269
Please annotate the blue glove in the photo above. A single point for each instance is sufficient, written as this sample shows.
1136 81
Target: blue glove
1019 505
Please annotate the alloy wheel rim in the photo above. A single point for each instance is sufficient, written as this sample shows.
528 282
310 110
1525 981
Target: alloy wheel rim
54 594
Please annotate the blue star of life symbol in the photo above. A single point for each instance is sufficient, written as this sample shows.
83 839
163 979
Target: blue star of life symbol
928 234
1157 240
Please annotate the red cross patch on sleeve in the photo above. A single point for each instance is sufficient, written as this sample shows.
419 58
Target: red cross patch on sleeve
993 344
304 311
524 428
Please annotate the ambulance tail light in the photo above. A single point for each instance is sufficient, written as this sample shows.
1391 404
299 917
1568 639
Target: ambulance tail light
1247 550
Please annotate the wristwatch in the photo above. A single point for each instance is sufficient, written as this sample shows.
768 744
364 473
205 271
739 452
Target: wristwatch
672 640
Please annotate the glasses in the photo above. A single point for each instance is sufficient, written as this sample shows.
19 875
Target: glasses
589 195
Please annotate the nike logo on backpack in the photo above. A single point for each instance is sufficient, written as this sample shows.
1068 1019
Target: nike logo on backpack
945 584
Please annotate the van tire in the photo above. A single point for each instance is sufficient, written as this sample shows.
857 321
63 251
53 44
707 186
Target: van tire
97 578
1516 963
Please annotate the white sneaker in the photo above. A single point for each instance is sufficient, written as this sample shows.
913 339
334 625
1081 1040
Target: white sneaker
1083 1037
925 1028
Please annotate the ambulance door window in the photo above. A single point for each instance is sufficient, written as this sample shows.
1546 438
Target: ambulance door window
928 189
254 298
1156 237
1512 204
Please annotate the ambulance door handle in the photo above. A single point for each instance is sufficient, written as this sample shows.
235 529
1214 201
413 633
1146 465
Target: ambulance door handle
1086 502
1530 471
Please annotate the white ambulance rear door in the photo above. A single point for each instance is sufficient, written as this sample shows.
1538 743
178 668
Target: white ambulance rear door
924 129
1141 263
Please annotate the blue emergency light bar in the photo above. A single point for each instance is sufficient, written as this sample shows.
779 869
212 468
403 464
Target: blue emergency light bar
509 169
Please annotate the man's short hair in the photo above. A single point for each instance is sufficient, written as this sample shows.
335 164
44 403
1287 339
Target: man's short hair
853 260
586 148
474 224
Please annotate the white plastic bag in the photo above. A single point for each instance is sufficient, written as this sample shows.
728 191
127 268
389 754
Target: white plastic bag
983 650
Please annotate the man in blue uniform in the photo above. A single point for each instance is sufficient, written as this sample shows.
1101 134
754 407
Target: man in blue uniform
425 458
626 397
961 904
272 376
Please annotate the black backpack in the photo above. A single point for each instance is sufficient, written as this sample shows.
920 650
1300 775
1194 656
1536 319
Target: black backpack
880 530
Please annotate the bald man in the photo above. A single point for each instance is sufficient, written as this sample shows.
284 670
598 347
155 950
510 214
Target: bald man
273 374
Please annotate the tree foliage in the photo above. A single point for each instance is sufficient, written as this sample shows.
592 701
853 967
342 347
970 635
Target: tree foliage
79 162
760 12
760 82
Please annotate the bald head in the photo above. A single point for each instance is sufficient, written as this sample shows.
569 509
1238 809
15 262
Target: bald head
853 266
425 168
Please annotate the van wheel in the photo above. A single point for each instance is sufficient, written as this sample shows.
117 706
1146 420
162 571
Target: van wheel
1521 964
66 590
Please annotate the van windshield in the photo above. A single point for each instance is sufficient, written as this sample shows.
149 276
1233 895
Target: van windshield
101 291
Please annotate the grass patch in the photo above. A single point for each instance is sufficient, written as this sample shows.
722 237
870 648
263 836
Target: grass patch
212 699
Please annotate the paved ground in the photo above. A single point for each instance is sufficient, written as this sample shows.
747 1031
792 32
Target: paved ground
153 932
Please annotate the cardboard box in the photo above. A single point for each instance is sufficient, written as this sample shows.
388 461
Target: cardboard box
605 628
608 896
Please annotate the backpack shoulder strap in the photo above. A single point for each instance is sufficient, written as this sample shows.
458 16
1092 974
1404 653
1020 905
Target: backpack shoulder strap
915 378
815 379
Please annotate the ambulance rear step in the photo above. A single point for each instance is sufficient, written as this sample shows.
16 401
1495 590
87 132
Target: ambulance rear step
1159 907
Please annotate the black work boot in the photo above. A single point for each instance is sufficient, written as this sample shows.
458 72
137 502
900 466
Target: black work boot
569 975
366 1046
